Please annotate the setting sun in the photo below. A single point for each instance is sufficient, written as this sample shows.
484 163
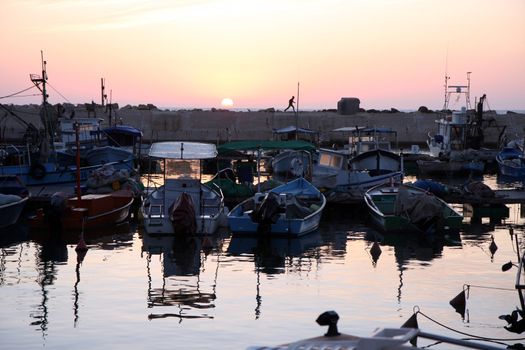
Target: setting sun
227 102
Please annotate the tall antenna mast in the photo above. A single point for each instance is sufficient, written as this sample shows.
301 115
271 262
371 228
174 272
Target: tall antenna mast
458 90
445 105
102 90
37 79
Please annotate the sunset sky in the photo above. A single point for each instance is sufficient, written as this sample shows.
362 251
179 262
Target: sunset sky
195 53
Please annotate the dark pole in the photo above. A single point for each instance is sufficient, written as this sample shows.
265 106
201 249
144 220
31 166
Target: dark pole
77 138
297 115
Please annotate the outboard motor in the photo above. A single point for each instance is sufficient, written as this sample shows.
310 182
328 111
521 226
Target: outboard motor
267 213
182 215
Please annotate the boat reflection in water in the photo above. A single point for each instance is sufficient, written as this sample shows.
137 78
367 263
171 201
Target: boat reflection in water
181 259
275 255
53 252
271 254
407 248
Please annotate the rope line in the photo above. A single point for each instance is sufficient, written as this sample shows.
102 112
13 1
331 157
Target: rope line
468 334
58 92
30 95
497 288
19 92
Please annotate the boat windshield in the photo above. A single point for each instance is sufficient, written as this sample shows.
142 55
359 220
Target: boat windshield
179 168
331 160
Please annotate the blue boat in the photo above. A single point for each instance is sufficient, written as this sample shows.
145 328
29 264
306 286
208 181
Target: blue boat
32 172
294 209
511 162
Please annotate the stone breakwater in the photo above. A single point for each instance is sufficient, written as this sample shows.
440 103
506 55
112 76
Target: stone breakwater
223 125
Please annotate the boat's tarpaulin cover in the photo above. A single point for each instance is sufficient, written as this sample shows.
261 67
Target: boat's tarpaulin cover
418 208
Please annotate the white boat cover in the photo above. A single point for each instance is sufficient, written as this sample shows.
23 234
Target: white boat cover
183 150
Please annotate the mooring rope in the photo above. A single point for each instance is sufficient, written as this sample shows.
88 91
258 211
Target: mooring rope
486 287
473 336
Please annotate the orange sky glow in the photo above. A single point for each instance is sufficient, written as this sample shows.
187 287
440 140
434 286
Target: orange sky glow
194 53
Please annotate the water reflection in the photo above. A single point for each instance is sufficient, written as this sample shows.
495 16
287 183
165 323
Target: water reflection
52 251
273 254
408 248
277 255
182 260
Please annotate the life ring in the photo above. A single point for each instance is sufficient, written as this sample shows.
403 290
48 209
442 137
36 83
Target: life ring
296 167
37 171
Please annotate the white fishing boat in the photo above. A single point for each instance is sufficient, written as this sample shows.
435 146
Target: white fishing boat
460 134
402 338
182 204
367 161
294 208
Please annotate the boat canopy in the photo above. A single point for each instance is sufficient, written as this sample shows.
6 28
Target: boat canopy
366 130
183 150
264 145
123 129
350 128
293 128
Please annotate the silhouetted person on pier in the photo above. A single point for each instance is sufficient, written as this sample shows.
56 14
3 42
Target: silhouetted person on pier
291 104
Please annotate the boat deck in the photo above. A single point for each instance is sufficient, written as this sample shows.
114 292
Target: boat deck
510 196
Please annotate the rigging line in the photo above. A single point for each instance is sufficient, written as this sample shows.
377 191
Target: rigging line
21 96
468 334
486 287
58 92
19 92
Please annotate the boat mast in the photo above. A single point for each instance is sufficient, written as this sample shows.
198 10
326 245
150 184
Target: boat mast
36 79
457 89
103 95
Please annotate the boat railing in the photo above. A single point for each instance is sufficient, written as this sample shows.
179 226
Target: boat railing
155 214
8 149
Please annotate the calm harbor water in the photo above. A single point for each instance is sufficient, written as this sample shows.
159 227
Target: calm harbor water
132 291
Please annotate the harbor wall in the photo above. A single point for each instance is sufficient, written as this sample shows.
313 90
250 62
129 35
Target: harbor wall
224 125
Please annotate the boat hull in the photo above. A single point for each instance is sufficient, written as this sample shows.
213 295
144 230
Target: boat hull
511 162
241 220
52 174
383 200
345 179
10 212
209 216
92 212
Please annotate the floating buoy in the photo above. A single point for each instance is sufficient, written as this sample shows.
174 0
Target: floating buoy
459 303
493 247
81 245
375 251
412 323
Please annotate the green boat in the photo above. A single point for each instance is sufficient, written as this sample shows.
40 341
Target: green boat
408 209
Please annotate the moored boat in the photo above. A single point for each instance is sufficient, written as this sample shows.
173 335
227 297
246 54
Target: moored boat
87 212
182 204
450 167
404 337
11 207
511 162
345 175
405 208
294 208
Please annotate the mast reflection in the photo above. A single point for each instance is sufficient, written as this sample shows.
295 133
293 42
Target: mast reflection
276 255
182 260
